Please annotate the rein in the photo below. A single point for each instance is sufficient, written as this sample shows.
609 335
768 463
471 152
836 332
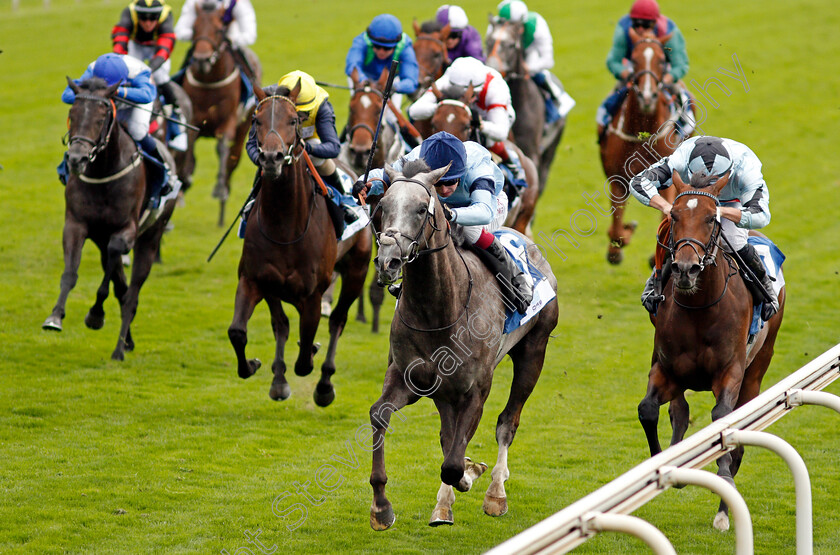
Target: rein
415 252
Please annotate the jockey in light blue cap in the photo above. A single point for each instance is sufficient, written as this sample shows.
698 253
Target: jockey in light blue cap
471 195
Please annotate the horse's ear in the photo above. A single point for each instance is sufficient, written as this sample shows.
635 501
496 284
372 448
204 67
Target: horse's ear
416 27
73 86
109 92
468 95
354 76
678 182
444 33
383 79
392 176
634 36
260 94
293 94
436 92
721 183
435 175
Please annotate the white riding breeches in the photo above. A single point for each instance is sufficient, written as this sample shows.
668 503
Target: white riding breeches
473 232
136 120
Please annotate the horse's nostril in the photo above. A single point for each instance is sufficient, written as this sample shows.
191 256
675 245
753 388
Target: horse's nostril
694 270
394 264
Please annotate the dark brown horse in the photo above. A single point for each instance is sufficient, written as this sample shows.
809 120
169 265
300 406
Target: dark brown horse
432 54
456 117
641 133
290 251
104 199
185 104
506 55
213 82
702 327
446 340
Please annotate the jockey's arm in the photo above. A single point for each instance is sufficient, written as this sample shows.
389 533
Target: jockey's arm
755 198
166 39
243 29
426 105
677 55
356 57
615 58
121 32
184 25
645 186
472 43
325 125
409 73
68 96
496 124
540 54
480 211
139 89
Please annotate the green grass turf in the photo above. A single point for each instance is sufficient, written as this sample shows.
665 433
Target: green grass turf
170 452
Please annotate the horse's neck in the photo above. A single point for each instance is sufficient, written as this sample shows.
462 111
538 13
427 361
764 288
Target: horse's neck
223 67
113 157
435 284
634 120
286 200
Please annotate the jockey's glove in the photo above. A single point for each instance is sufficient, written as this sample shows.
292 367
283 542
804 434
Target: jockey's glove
358 187
155 63
448 213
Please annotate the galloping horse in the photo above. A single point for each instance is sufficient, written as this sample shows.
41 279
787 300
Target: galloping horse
641 133
432 54
290 251
185 104
214 83
449 317
456 117
506 55
105 195
702 327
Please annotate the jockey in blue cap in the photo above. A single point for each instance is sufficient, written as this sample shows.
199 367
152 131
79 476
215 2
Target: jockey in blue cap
372 51
745 200
136 87
471 195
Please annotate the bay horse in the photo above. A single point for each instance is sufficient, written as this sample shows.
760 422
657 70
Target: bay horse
290 251
214 83
105 195
431 52
456 117
702 327
506 55
641 133
446 339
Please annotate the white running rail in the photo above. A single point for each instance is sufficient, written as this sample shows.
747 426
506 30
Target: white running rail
578 522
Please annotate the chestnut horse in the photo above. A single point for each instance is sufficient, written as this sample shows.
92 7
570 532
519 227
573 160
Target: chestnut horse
448 321
702 327
104 200
214 84
432 54
506 55
641 133
290 251
456 117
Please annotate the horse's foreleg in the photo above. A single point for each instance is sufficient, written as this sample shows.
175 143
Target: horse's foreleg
660 390
468 415
247 297
144 257
726 390
395 396
442 513
310 316
280 390
619 232
679 414
120 291
222 189
73 239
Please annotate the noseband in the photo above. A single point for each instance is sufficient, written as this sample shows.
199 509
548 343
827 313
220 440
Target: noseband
104 134
289 158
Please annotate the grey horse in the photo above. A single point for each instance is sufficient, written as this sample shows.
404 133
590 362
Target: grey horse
446 340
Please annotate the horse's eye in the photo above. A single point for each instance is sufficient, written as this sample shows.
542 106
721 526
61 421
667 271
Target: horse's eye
710 219
293 121
420 210
674 217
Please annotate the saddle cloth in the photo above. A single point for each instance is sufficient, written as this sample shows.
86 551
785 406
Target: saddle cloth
543 292
772 257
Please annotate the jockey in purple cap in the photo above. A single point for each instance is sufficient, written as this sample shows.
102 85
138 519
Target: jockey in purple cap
463 40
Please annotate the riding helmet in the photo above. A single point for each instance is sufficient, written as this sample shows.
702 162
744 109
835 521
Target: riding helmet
111 68
709 156
442 148
645 9
455 16
513 10
308 89
385 30
150 7
466 71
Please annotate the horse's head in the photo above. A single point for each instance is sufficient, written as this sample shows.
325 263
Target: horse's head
504 46
92 117
649 63
410 212
208 35
454 115
695 227
432 54
365 106
277 127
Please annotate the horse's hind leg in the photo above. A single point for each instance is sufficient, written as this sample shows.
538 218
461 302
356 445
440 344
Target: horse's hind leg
120 292
247 297
144 257
679 413
280 390
111 256
660 390
73 239
222 189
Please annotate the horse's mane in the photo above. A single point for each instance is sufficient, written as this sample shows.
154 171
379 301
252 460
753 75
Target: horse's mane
431 26
414 167
700 180
93 84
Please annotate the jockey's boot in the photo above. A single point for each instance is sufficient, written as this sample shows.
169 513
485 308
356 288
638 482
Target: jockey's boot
514 284
652 294
545 81
510 158
179 140
753 261
334 180
149 146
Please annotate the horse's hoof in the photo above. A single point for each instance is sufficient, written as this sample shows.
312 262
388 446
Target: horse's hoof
615 256
382 520
361 318
95 321
721 521
129 344
118 355
442 516
631 226
52 323
494 506
280 392
220 192
303 369
323 399
253 365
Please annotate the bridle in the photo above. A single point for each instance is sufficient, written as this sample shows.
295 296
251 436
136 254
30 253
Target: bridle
710 249
289 158
98 145
414 251
363 88
634 79
432 72
475 118
517 51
